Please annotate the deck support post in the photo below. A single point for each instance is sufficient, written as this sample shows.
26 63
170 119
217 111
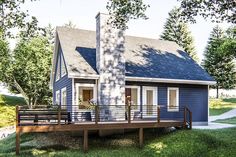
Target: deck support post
17 141
140 137
85 141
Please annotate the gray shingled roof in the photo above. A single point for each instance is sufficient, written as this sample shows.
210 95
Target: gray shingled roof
145 57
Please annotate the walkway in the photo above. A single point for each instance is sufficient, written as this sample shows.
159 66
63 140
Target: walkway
213 125
6 131
229 114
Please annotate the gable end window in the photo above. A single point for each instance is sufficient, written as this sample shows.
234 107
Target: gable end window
173 99
58 69
63 67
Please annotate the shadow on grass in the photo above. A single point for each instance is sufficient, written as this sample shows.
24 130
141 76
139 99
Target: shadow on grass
156 143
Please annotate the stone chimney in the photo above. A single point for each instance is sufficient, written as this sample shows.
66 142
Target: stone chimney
110 62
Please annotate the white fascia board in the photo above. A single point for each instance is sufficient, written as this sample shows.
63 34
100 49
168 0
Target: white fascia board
163 80
55 51
83 76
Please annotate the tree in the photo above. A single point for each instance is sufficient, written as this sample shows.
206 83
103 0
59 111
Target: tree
27 69
176 30
216 10
70 24
124 10
11 16
218 60
49 33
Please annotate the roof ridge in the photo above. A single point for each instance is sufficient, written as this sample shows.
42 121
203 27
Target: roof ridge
131 36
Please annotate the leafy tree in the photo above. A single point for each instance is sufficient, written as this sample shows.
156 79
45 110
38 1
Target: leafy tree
27 69
176 30
11 16
125 10
216 10
218 60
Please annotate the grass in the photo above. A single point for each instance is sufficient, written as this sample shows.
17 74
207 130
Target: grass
7 109
220 106
180 143
227 121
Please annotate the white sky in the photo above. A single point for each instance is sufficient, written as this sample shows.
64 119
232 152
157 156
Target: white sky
83 12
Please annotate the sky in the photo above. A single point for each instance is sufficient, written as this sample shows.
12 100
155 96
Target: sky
83 12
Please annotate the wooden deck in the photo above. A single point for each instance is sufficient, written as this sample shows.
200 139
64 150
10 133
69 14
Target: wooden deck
47 126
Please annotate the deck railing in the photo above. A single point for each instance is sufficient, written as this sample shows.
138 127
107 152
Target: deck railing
61 115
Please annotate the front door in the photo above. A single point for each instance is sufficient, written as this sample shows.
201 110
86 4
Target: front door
149 101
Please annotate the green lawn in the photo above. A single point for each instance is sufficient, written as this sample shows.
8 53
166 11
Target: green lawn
180 143
7 109
219 106
227 121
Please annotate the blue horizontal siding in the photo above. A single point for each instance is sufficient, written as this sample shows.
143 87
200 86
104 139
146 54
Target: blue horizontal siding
195 97
62 83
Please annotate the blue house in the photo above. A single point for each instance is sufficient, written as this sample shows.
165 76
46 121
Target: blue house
111 68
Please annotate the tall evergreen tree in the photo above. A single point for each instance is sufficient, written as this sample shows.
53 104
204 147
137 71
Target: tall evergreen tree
176 30
218 60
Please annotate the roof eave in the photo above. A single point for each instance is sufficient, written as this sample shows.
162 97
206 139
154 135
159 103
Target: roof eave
165 80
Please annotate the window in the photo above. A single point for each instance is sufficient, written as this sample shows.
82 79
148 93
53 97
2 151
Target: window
63 67
173 99
57 97
85 93
132 94
58 69
63 98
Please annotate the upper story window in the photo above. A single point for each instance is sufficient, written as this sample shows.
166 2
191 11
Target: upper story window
58 69
173 99
63 67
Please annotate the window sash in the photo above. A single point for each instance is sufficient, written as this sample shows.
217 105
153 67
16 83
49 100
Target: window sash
63 68
173 99
64 98
132 96
57 97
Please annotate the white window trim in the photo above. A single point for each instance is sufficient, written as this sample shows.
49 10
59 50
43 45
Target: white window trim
77 85
138 96
57 100
177 99
62 90
155 98
62 60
